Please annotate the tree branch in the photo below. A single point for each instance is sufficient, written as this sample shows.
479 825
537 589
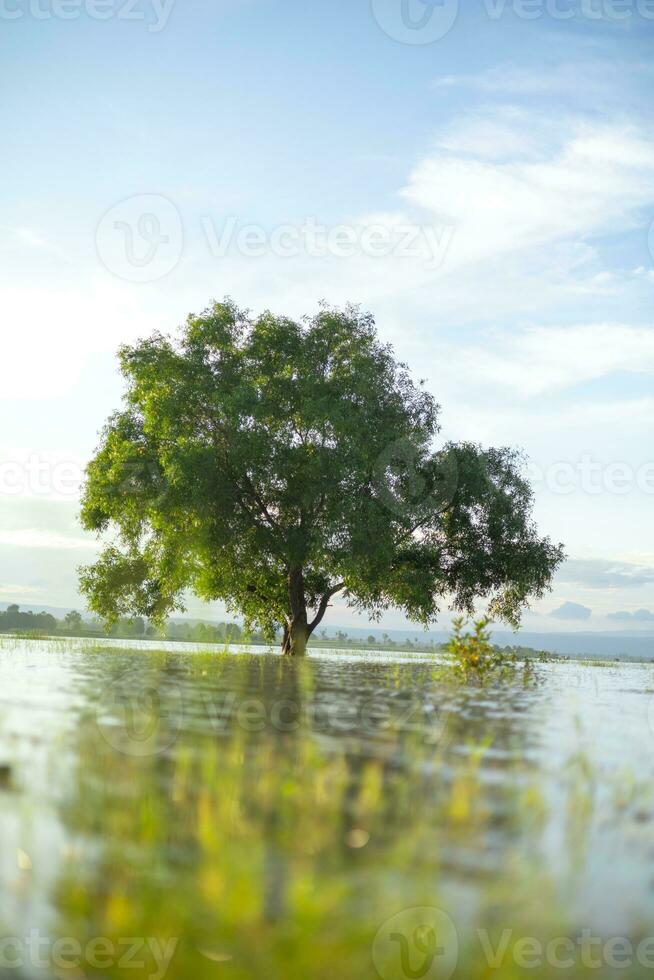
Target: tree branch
322 607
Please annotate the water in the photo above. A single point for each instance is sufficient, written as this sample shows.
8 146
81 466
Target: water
186 813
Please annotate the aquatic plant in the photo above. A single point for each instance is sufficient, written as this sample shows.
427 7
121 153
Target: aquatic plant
474 654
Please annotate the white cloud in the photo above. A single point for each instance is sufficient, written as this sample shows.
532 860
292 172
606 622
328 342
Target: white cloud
540 359
8 592
33 538
592 181
30 239
579 81
528 195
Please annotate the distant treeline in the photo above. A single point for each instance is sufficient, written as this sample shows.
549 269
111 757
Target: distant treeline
74 624
13 620
428 645
383 642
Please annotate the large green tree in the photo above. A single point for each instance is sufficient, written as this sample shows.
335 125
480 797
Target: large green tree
273 464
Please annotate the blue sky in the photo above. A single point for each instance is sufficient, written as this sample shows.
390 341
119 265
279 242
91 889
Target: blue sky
507 168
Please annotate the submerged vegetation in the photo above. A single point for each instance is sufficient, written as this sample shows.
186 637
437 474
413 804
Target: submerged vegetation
251 815
475 657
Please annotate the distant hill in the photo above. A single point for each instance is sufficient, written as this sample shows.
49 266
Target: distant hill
604 646
626 645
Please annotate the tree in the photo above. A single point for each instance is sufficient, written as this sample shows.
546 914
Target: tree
274 464
128 626
137 626
13 616
73 621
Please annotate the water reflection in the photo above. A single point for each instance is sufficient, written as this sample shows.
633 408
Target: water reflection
264 817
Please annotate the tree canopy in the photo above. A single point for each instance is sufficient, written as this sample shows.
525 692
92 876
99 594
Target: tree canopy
272 464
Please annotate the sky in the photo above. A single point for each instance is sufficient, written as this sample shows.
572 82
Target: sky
479 176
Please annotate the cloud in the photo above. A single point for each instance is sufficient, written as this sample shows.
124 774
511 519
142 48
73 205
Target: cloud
505 80
576 80
33 538
572 610
10 591
39 514
601 574
31 240
639 616
587 179
527 194
539 359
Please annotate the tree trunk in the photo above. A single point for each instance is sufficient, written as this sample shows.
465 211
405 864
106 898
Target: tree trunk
296 630
298 638
294 641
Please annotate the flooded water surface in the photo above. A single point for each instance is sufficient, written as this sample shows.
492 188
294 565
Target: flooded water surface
195 814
